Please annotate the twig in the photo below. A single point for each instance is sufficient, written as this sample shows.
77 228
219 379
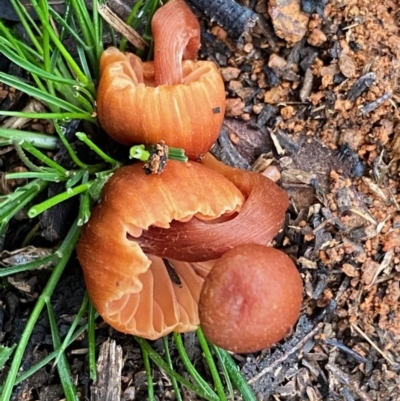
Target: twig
109 367
287 354
364 215
385 263
348 350
362 84
368 107
129 33
362 334
346 380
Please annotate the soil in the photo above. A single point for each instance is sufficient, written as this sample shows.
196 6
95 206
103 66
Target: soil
312 103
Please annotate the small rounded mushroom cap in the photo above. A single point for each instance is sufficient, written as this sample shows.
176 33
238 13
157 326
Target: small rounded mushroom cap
251 298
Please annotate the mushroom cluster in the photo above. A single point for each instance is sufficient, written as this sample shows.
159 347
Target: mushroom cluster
168 252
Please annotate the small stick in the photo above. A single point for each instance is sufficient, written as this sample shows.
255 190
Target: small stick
368 107
129 33
362 334
346 380
109 367
348 350
362 84
286 355
385 263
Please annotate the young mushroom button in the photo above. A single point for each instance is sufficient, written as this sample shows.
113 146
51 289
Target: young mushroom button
251 298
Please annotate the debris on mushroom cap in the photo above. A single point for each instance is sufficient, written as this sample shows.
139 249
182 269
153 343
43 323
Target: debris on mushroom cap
132 291
250 299
180 102
258 221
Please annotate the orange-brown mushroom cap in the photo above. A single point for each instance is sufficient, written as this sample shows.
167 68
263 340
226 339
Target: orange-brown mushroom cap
250 299
258 221
179 102
133 291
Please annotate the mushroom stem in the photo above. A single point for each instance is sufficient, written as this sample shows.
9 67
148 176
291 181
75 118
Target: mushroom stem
259 220
176 33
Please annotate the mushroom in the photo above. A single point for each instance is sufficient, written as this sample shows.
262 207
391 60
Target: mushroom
259 220
129 279
152 240
180 102
133 291
250 299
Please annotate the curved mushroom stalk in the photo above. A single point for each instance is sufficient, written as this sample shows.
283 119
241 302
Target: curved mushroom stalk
176 32
179 102
258 221
132 291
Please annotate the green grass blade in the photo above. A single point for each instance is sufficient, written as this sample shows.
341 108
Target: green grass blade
63 116
28 66
130 20
169 361
228 381
45 176
42 141
74 325
25 52
237 378
65 252
83 60
67 28
88 105
84 208
67 56
156 358
55 200
75 177
211 364
42 157
84 20
190 367
86 27
85 139
47 47
147 36
48 358
37 93
6 214
27 23
5 353
63 368
92 341
98 33
147 368
36 264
